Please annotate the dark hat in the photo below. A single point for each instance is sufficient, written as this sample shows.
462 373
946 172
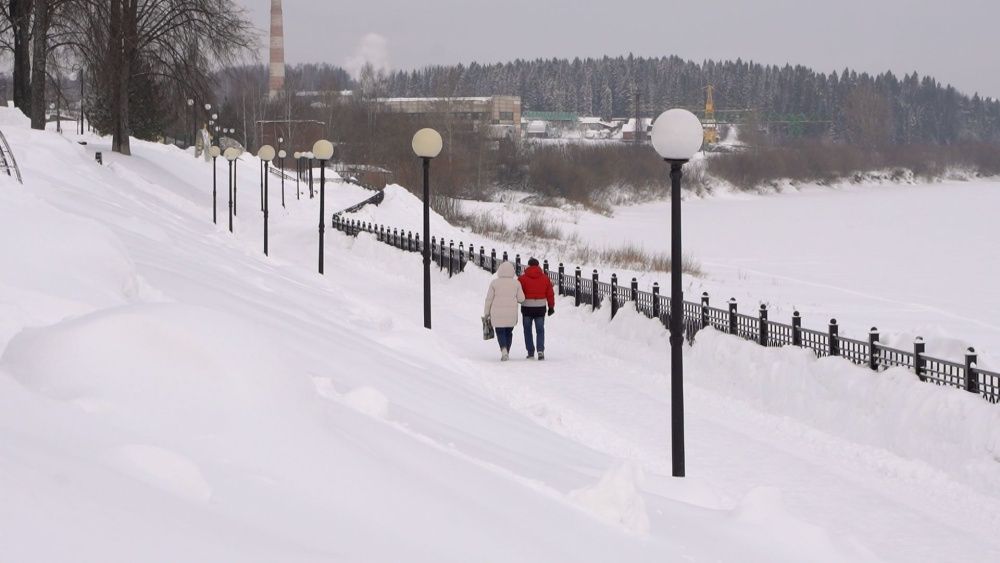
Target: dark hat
532 261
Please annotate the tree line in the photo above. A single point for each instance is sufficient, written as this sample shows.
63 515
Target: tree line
142 58
861 108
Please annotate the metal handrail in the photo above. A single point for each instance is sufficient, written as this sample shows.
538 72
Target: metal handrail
590 291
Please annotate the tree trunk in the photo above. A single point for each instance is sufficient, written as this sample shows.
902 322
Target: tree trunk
122 47
20 15
39 55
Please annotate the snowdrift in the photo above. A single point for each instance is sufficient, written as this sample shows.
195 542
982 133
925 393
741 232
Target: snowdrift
167 393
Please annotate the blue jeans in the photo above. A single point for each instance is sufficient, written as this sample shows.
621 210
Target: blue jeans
505 337
539 323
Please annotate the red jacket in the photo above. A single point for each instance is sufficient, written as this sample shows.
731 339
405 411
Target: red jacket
536 285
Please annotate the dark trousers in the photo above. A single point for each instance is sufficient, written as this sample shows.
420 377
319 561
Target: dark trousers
539 324
505 337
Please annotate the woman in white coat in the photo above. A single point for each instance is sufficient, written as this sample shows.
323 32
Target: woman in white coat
502 299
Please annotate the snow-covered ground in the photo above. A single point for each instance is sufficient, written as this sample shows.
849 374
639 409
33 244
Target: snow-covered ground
911 259
167 393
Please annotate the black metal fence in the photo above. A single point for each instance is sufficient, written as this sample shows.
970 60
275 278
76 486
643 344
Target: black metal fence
592 292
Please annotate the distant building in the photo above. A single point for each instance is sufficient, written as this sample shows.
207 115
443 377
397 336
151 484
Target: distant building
502 111
564 118
536 129
628 130
595 128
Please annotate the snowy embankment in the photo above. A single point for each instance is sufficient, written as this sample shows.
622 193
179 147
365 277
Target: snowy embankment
168 393
912 260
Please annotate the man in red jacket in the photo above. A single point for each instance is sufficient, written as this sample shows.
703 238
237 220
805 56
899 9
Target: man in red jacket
537 295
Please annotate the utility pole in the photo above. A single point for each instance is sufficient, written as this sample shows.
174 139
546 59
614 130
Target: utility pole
637 137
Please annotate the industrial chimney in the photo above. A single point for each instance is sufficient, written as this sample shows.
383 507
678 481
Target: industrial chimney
277 82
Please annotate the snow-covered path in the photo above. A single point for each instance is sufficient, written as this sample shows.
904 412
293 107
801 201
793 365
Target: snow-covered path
913 260
233 406
606 386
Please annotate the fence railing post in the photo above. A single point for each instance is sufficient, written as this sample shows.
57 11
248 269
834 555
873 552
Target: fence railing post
482 257
493 261
656 301
395 238
704 309
873 349
441 264
919 363
834 340
971 377
461 256
576 291
732 315
381 233
517 264
505 257
796 329
762 325
416 242
562 278
595 292
545 266
409 241
614 295
451 258
635 295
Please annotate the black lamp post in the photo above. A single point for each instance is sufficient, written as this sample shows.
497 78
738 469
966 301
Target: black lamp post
214 152
281 168
309 164
427 145
231 154
194 121
323 151
298 175
266 155
677 137
235 185
79 75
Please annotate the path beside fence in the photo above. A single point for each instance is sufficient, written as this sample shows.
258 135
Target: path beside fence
592 292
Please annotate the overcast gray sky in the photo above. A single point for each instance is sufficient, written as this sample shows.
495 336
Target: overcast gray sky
954 41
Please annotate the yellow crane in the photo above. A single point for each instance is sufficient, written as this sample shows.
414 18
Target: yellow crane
710 124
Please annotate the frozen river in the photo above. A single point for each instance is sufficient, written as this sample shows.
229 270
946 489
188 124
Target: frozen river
913 259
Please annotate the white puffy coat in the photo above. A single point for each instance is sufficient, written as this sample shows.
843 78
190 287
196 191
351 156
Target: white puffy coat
503 297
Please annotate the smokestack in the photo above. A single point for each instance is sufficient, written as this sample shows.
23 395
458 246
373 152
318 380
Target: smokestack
277 82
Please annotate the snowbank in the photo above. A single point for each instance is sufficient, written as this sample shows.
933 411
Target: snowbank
946 428
56 264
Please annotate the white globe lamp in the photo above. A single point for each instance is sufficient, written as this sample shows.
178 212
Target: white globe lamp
427 143
323 150
677 135
266 153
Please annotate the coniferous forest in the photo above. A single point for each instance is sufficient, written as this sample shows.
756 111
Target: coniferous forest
861 108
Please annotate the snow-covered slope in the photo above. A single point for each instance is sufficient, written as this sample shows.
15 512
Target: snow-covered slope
167 393
911 259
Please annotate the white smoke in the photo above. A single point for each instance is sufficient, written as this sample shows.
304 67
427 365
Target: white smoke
374 49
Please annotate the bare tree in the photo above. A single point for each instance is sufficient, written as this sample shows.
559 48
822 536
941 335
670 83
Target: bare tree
173 42
16 33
